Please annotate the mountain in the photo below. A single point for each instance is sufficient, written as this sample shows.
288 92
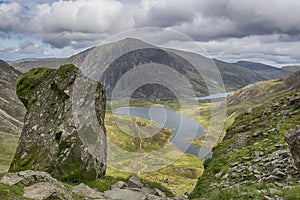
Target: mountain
261 92
115 59
254 153
236 77
25 65
291 68
267 71
12 114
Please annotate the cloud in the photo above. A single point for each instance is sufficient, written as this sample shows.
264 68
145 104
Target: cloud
267 49
66 23
207 20
229 29
87 16
10 17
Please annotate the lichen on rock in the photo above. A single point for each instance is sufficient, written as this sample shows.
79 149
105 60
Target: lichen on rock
50 140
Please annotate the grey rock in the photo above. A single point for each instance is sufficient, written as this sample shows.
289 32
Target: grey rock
159 193
119 185
274 191
50 140
85 191
38 185
124 194
27 178
47 190
134 182
257 134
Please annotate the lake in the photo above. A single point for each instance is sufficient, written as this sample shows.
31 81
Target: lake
182 127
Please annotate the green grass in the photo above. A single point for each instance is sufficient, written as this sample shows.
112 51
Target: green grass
8 145
182 174
11 192
246 124
254 191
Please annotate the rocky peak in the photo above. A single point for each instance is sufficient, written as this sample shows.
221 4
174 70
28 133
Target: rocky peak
50 140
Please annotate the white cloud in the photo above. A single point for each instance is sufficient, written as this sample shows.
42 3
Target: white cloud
10 17
87 16
228 29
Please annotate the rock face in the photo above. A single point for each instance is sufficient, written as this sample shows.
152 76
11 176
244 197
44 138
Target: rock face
293 139
50 140
12 110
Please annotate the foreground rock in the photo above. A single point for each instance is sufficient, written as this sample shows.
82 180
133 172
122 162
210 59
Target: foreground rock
50 140
85 191
40 185
37 185
293 139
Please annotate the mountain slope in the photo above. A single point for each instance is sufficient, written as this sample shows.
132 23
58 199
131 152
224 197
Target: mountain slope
291 68
11 109
267 71
236 77
115 59
260 92
254 154
12 114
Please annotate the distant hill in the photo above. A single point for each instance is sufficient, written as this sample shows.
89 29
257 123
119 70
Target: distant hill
135 52
260 92
25 65
267 71
291 68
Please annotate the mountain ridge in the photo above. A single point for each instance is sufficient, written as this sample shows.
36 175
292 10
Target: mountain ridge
267 71
234 77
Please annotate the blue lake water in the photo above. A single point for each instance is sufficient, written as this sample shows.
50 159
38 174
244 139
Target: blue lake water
213 96
181 126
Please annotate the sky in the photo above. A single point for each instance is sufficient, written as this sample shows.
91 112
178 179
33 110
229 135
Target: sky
265 31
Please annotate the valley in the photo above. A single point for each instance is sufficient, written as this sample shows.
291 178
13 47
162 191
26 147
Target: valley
252 133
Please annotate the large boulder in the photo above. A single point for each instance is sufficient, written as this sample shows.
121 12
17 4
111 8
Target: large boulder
37 185
293 139
51 139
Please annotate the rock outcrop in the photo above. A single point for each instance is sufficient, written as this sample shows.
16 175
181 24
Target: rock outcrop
50 140
37 185
293 139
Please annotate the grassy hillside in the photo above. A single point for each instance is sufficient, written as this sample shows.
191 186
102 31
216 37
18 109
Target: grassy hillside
251 141
262 113
12 114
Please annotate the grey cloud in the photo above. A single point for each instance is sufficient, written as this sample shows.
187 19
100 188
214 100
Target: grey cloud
206 19
9 15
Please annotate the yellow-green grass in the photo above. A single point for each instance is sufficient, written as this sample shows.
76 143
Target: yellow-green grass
8 145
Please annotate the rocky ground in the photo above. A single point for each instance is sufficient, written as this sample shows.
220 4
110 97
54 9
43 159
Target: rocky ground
41 185
255 152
